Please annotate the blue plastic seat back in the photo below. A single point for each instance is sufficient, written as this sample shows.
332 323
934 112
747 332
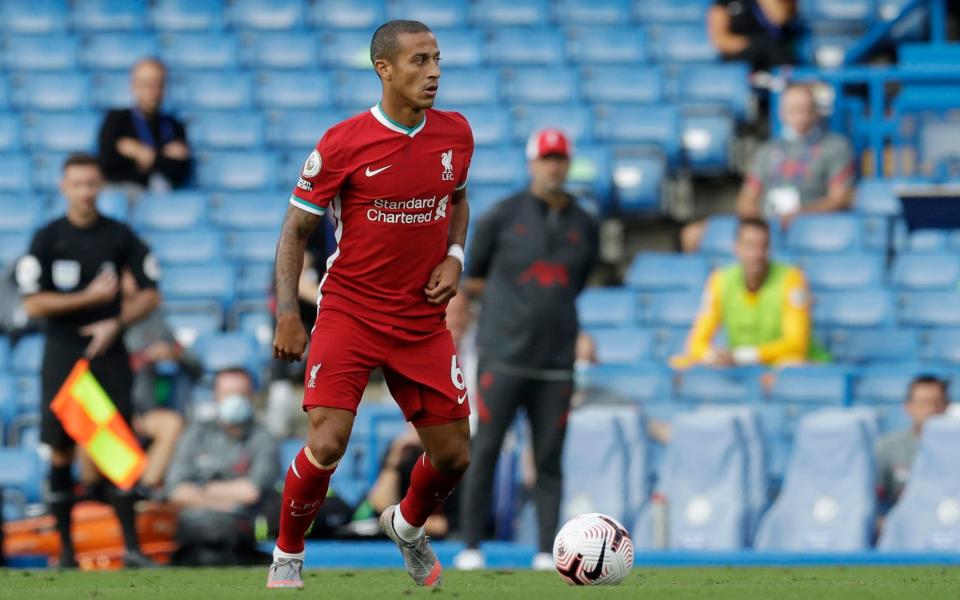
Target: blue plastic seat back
607 307
594 45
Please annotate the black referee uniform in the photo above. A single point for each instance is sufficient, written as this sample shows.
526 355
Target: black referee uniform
535 261
64 258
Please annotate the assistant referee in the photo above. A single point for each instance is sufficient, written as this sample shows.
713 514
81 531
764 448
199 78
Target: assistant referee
70 278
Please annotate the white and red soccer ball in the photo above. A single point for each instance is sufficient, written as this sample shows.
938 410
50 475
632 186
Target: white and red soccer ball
593 549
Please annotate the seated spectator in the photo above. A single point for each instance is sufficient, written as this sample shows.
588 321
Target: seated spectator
895 451
759 32
763 305
805 170
163 373
222 470
143 147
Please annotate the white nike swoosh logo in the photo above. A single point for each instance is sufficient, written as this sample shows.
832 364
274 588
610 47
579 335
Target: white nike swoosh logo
460 399
372 173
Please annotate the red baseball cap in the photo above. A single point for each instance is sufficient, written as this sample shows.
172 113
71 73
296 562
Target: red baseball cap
546 142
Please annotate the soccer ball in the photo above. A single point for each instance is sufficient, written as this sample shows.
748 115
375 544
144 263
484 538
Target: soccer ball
593 549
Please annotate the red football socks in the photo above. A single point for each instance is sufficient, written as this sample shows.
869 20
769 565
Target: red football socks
428 489
304 490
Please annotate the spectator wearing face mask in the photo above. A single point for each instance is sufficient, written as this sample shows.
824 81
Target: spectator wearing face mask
221 472
805 170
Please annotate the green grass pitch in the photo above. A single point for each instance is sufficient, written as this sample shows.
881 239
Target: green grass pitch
695 583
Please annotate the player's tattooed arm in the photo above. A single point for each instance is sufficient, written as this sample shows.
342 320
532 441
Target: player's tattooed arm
290 339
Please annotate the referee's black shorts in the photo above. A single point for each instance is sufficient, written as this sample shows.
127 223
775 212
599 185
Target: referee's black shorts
111 369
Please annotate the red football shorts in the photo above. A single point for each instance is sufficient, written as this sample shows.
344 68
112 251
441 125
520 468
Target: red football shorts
421 369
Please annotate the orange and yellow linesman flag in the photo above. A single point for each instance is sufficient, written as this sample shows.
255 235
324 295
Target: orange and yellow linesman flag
91 419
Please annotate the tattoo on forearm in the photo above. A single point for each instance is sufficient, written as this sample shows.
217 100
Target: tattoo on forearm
297 227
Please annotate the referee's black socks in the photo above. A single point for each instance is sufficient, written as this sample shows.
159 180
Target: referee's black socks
61 504
122 503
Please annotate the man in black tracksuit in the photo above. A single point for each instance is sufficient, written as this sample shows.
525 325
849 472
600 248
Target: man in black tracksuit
529 259
71 278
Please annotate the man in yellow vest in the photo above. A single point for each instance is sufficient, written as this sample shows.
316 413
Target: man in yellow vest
763 305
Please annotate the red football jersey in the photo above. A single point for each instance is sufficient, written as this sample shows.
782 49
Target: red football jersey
389 187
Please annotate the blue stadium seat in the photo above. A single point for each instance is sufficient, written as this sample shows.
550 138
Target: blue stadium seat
357 90
656 124
183 247
15 172
491 125
452 13
703 385
267 14
42 16
942 346
863 308
274 50
636 181
187 15
118 51
255 245
872 346
4 353
703 474
12 245
573 119
470 87
4 92
593 45
727 84
644 384
622 345
930 309
27 355
670 11
493 165
521 46
202 284
192 50
505 13
28 391
31 53
46 169
917 272
607 307
928 241
719 236
300 130
290 89
623 84
222 90
48 91
810 234
707 135
876 197
348 50
828 498
188 326
240 129
236 170
837 11
109 15
9 132
255 281
63 132
593 12
819 385
483 197
672 309
926 517
110 90
249 210
348 14
590 173
170 212
681 43
595 436
21 469
831 272
654 271
461 48
259 325
20 213
225 350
